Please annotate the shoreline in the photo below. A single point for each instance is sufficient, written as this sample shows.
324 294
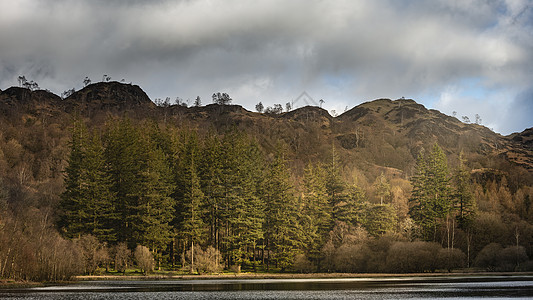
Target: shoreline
290 276
9 284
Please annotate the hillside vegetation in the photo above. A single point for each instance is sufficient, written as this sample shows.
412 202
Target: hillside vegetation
106 178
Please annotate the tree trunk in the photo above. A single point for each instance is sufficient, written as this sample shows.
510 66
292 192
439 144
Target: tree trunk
192 256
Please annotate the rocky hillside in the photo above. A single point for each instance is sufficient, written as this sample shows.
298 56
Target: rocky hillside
376 136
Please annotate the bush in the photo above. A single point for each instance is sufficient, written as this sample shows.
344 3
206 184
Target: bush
302 264
494 257
406 257
449 259
144 258
488 256
526 266
351 258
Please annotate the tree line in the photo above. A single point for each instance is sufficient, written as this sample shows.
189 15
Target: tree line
220 200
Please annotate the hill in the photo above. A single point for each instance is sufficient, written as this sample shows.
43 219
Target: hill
378 134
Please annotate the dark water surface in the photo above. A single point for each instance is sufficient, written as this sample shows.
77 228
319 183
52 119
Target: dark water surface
467 287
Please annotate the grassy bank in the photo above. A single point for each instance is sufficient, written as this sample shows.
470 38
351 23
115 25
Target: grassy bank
11 284
290 275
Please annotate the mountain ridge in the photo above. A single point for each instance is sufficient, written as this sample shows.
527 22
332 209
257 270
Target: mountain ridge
380 126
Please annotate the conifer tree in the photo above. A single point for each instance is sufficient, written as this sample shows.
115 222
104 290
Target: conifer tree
154 209
351 209
73 213
211 180
87 204
192 227
123 153
317 213
431 196
243 211
142 183
98 195
283 232
380 219
464 201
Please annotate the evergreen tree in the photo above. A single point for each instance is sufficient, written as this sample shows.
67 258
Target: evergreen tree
154 209
431 196
317 213
142 183
243 211
211 180
283 232
379 219
123 153
351 209
87 204
73 213
193 227
464 201
98 195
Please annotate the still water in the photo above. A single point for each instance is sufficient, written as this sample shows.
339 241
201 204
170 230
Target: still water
468 287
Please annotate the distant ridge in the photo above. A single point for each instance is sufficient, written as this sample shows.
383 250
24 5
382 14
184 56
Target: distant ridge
384 132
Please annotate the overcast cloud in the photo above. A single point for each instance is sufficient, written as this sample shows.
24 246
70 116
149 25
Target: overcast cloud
468 56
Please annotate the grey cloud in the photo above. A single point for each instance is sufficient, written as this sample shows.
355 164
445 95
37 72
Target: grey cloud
343 51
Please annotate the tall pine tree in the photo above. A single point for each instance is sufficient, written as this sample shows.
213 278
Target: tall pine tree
431 197
283 231
87 205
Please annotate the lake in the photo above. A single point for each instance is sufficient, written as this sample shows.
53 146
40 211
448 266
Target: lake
450 287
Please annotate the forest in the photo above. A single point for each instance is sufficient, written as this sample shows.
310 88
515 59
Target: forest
139 193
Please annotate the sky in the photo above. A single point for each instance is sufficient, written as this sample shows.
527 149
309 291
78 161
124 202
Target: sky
462 57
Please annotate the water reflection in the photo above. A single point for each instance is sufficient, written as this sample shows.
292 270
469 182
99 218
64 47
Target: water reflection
516 287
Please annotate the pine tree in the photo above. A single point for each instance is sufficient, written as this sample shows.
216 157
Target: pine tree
463 198
142 184
123 154
351 209
87 204
98 195
192 227
154 208
211 180
317 213
283 232
73 214
243 211
431 196
380 219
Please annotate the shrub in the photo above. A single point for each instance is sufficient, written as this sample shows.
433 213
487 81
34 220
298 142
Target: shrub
302 264
405 257
450 259
351 258
494 257
488 256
